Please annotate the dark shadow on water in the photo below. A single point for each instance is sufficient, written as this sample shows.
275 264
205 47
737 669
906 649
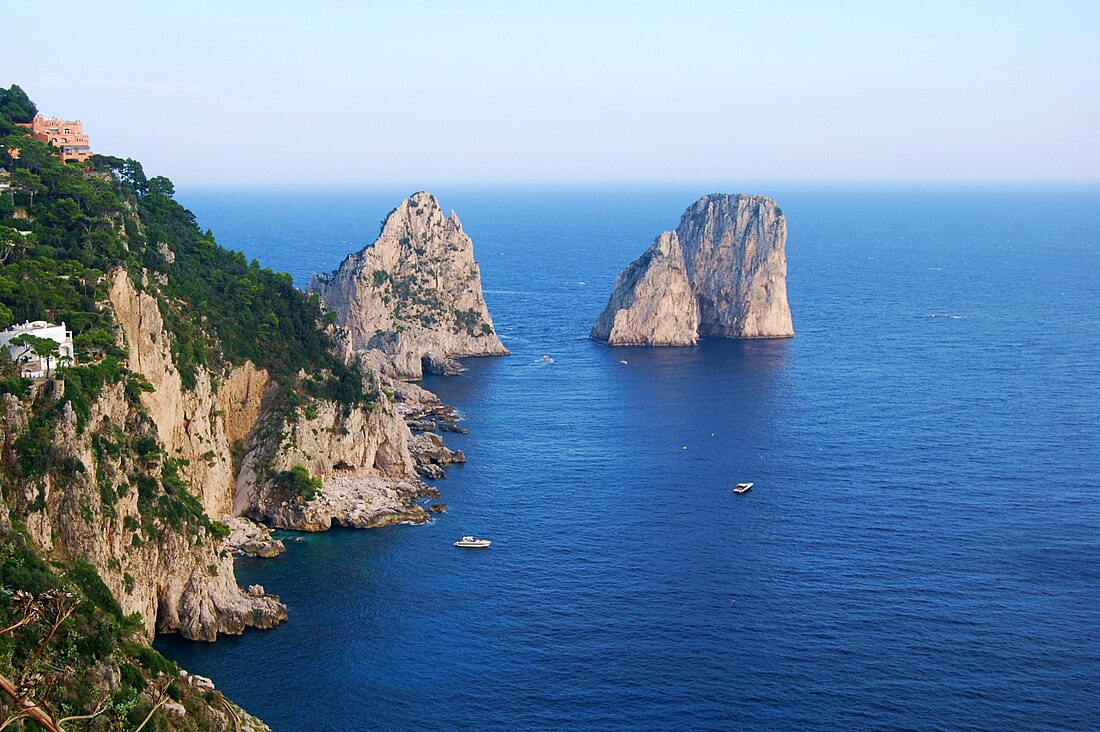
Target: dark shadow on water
671 377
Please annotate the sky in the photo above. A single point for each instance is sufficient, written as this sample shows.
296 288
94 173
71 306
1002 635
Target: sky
343 92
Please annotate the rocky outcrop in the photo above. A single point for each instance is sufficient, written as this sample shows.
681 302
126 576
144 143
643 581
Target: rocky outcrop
358 503
362 457
201 601
652 303
730 251
414 294
177 577
225 437
328 440
251 539
431 455
736 260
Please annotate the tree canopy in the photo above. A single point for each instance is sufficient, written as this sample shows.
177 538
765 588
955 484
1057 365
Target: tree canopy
83 219
15 106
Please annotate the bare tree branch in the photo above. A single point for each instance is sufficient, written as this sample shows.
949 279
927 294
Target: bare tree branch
162 699
61 615
80 717
13 719
28 708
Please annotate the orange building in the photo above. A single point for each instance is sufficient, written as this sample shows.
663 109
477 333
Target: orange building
66 135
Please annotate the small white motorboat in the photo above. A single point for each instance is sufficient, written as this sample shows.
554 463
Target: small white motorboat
742 488
470 542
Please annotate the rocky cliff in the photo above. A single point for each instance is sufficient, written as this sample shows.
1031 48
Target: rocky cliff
235 411
652 303
159 555
225 439
730 253
414 294
202 389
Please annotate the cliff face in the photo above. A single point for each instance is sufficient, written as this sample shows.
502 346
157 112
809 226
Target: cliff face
178 577
736 260
203 388
200 424
225 438
414 294
730 253
652 303
361 458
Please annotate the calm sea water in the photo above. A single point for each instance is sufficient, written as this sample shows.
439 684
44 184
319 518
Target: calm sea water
921 549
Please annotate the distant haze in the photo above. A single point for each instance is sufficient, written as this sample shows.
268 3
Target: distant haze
345 92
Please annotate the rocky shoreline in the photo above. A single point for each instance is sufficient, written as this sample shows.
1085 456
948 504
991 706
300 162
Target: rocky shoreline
351 499
408 303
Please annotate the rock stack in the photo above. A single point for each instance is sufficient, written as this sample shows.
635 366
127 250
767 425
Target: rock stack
414 294
723 273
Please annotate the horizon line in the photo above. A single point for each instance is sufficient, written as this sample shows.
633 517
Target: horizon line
581 183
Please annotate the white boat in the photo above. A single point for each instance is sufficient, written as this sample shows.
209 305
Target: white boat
742 487
472 543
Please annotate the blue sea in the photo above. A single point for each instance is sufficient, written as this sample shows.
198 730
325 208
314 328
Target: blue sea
921 549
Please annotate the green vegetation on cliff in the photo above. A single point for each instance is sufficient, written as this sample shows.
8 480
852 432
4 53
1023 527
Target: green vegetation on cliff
61 624
64 634
65 230
66 225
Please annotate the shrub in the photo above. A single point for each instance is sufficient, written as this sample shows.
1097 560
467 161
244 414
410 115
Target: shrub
298 482
131 677
14 385
84 574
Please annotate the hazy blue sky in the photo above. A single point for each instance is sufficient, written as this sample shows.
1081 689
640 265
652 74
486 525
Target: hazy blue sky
224 92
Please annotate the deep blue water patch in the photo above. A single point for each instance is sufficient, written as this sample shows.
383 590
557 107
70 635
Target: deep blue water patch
921 549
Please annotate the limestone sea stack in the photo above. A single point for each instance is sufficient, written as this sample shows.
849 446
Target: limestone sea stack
414 294
653 303
723 273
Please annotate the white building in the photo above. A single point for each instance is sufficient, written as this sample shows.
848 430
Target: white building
30 365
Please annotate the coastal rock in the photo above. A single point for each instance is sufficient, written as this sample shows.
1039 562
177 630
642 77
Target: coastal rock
175 582
431 455
200 682
252 539
652 303
224 437
421 409
412 394
200 601
731 250
359 503
735 254
414 294
362 456
198 425
328 440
